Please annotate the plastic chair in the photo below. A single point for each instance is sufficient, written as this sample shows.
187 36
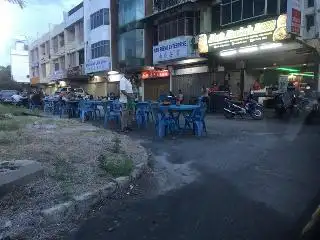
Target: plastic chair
196 119
142 114
85 108
48 106
112 112
164 123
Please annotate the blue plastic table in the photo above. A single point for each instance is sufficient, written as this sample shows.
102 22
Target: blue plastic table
180 108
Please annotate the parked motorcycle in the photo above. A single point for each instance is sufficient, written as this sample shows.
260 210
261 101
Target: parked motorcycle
290 104
249 108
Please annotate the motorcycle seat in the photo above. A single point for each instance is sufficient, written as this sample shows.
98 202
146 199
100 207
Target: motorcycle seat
236 102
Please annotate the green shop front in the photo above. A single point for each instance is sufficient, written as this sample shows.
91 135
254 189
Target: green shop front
260 51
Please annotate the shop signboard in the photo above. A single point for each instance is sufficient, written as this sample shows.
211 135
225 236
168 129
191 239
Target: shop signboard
172 49
98 65
271 30
154 74
35 80
74 71
283 83
294 16
57 75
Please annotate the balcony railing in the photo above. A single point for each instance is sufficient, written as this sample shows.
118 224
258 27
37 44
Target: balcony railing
160 5
57 75
132 62
75 71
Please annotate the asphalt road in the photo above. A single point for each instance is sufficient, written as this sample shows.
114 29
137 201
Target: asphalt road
250 180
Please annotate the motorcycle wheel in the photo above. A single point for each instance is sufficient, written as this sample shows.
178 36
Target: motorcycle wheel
228 115
257 114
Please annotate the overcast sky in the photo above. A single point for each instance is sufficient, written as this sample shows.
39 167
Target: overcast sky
32 21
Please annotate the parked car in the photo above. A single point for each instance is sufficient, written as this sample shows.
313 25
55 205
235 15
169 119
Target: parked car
6 95
80 92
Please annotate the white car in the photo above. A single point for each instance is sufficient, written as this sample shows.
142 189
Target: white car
80 92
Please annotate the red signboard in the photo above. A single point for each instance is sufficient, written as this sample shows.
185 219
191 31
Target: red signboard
294 16
154 74
296 21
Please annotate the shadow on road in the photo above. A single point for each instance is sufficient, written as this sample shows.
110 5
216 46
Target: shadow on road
199 211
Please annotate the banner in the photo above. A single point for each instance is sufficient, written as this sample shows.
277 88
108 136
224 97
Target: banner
294 16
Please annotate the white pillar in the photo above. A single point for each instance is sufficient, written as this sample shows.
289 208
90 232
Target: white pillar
170 69
76 33
317 76
142 90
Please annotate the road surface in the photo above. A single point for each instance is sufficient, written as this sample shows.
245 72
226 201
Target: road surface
250 180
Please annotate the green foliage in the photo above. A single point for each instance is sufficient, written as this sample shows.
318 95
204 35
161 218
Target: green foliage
6 83
9 125
116 144
116 165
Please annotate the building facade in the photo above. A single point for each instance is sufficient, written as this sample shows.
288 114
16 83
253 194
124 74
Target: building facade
97 34
182 44
19 60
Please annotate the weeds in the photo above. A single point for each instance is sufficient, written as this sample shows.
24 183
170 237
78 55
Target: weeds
116 165
8 137
116 145
115 162
9 125
62 172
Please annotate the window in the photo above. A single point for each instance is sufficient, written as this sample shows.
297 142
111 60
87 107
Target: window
56 66
72 60
247 10
99 18
130 11
232 11
226 14
187 24
309 21
131 47
181 26
258 7
100 49
62 63
76 8
236 14
283 6
43 70
310 3
272 7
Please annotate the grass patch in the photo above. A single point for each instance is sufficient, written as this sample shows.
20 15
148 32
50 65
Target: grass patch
9 125
62 172
7 138
115 164
18 111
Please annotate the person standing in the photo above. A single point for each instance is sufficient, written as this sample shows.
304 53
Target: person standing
126 95
180 96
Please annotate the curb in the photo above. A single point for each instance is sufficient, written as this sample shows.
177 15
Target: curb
80 204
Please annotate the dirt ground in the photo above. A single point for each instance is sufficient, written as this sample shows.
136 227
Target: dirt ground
69 152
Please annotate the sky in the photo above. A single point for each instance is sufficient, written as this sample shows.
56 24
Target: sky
32 21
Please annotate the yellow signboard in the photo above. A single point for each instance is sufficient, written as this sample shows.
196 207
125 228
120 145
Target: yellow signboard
35 80
260 32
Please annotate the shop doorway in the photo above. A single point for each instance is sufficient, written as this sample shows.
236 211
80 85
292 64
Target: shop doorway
153 88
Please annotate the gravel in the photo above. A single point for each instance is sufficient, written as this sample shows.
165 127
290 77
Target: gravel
68 150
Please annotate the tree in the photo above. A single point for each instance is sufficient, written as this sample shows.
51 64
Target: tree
20 2
6 82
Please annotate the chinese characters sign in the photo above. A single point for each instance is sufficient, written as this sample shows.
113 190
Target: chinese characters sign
98 65
57 75
256 33
294 16
154 74
171 49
